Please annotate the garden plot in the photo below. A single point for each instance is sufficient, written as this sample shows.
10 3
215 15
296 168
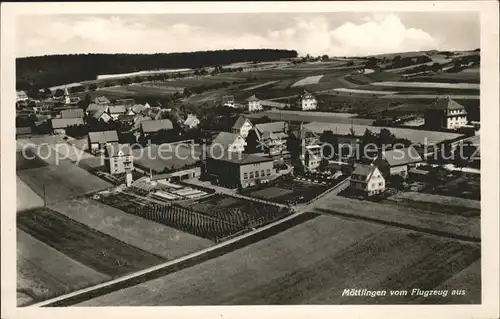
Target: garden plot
308 80
144 234
43 272
240 212
174 215
85 245
321 257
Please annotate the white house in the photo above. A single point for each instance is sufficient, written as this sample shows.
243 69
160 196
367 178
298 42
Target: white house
253 104
367 179
191 121
242 126
230 142
306 101
21 96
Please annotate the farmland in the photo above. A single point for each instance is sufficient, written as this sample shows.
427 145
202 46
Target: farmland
430 85
89 247
26 198
216 218
304 116
61 181
314 79
149 236
43 272
310 264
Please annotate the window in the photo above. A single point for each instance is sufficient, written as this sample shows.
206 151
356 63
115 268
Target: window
262 174
256 174
251 174
268 171
380 184
245 175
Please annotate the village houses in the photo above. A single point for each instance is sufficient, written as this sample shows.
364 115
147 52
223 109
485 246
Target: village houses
307 148
191 121
59 125
228 142
271 139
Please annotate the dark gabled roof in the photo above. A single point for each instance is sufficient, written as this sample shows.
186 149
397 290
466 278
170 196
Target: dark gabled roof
271 127
239 122
225 139
72 113
127 102
103 137
114 149
156 125
364 170
63 123
446 103
92 108
238 157
126 117
252 98
305 95
101 100
304 133
117 109
97 114
402 156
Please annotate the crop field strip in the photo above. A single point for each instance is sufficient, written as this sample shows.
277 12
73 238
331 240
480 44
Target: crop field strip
187 263
43 272
308 264
290 191
155 238
92 248
26 198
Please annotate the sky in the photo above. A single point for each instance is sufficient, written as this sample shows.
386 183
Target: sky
335 34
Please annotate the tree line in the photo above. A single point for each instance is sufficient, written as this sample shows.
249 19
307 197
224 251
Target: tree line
47 71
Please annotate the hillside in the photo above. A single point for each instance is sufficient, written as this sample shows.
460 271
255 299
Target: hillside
46 71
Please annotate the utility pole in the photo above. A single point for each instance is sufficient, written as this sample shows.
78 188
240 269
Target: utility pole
44 197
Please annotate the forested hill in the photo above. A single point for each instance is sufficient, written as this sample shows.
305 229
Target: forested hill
46 71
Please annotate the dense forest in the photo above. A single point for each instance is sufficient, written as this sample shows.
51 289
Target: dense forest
47 71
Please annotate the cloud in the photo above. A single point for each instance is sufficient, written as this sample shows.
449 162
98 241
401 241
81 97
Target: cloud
376 33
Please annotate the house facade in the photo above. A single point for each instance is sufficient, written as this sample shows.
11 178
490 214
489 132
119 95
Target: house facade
367 179
307 150
271 139
191 121
238 170
306 101
445 113
242 126
116 110
253 104
118 158
228 142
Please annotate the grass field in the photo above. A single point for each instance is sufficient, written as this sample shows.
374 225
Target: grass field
144 234
94 249
289 191
465 76
43 272
452 202
427 85
431 221
314 79
416 136
158 158
26 198
257 86
61 181
304 116
27 159
311 263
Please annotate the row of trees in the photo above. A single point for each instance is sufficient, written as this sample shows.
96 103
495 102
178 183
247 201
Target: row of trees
48 71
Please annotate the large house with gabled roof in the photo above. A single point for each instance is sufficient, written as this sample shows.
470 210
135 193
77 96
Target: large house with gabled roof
242 126
253 104
445 113
306 101
398 161
367 179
